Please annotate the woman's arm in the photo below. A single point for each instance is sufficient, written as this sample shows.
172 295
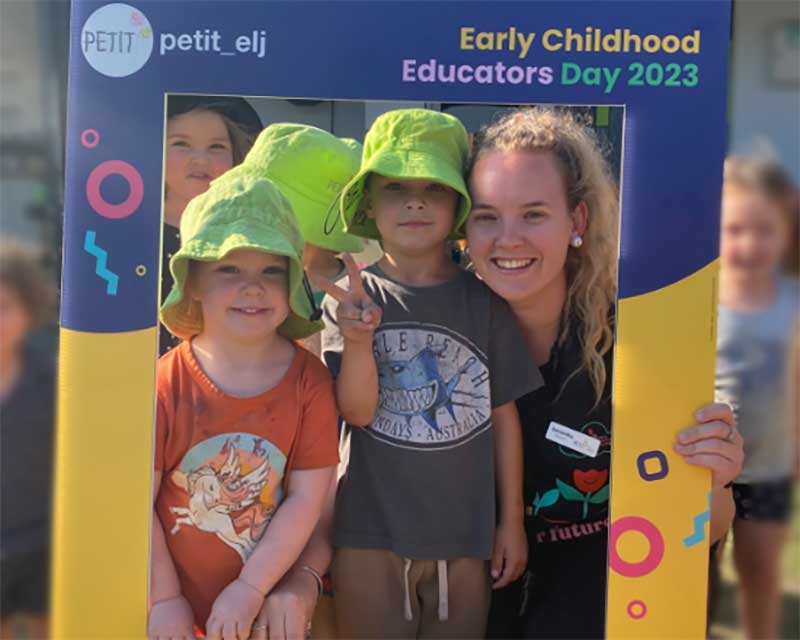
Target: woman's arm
723 509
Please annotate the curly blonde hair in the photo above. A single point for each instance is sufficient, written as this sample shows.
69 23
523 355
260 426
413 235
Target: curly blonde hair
591 270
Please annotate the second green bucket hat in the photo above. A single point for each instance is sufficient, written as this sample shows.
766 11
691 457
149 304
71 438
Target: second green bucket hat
310 166
237 212
412 144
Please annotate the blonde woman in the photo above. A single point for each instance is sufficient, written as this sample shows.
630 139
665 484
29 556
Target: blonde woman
543 235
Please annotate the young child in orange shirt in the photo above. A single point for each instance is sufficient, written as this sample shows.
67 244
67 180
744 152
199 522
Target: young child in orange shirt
246 439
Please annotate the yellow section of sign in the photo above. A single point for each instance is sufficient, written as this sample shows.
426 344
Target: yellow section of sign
101 529
658 544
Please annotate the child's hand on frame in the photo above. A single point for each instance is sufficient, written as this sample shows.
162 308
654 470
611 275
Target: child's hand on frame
510 554
357 315
171 619
233 612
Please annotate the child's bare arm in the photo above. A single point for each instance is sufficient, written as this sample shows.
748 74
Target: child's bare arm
357 383
170 613
358 317
510 554
291 603
237 606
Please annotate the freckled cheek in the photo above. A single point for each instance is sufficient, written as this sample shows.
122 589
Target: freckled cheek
277 289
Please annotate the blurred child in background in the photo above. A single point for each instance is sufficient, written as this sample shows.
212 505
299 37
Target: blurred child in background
26 411
757 316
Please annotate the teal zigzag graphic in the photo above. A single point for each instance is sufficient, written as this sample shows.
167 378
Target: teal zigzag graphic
699 533
111 278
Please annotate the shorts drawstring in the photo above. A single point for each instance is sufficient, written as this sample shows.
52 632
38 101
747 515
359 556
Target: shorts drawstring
441 568
406 568
444 593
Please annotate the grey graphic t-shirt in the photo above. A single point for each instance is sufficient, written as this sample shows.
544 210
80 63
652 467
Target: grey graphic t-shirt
421 476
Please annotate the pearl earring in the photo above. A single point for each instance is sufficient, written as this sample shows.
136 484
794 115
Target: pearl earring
576 241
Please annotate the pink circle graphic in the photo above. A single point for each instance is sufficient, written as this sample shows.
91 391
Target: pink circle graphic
640 609
654 556
127 206
90 138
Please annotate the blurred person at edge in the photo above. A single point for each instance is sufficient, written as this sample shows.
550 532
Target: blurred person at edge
27 398
205 136
758 322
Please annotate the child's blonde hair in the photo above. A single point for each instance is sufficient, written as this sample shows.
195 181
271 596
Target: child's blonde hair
592 269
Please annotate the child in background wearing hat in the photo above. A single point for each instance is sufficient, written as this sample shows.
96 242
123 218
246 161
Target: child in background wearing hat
246 420
205 136
428 365
310 166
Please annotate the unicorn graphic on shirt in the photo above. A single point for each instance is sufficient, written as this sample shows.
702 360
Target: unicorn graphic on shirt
226 502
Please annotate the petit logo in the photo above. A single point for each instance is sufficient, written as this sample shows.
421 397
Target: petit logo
117 40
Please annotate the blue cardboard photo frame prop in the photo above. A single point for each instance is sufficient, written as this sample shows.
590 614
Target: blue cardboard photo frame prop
666 63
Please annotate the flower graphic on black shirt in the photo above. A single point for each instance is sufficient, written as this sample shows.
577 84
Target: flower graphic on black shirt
591 488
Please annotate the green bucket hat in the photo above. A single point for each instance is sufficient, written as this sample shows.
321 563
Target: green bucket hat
412 144
238 212
355 145
310 167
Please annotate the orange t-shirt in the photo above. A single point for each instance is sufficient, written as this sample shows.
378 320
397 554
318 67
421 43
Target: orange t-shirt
225 462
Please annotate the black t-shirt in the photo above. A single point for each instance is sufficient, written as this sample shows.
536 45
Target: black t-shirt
566 496
566 492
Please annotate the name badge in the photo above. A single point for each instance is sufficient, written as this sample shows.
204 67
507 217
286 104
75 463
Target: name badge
571 439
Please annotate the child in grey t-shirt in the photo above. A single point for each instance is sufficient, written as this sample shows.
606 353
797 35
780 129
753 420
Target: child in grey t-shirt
428 364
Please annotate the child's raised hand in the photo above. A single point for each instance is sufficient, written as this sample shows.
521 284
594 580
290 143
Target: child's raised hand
510 553
358 316
233 612
171 619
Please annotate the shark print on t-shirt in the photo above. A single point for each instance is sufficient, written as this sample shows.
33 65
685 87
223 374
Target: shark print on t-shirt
433 387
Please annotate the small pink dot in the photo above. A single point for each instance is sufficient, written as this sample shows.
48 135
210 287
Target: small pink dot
90 138
637 609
